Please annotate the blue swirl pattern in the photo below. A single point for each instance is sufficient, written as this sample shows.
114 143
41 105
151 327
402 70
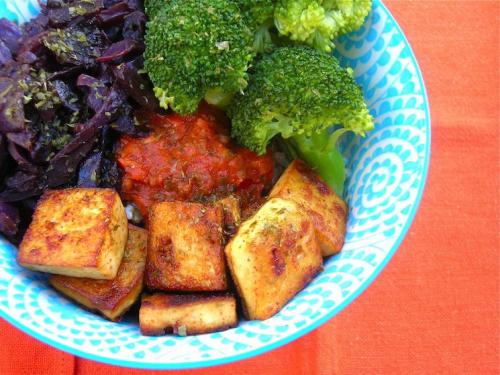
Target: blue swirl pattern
386 171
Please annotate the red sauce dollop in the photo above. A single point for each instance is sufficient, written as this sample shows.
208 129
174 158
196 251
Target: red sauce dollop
190 158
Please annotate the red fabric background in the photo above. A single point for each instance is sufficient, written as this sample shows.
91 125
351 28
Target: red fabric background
434 309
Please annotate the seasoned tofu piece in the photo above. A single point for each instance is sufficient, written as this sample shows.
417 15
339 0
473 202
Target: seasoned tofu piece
76 232
114 297
232 214
185 251
272 257
186 314
327 210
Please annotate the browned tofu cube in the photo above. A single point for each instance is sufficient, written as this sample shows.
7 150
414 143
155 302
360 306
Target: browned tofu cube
76 232
114 297
327 210
185 251
272 257
232 215
186 314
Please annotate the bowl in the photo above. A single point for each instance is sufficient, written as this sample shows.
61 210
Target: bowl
387 172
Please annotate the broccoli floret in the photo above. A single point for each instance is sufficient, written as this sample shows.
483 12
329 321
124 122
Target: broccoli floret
258 12
299 92
318 22
197 49
354 13
153 7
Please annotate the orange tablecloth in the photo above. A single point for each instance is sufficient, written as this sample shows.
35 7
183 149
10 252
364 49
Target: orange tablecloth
435 308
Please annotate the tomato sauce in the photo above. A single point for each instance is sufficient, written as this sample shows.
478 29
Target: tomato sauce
190 158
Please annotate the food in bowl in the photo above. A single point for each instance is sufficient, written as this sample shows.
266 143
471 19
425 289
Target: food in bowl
76 232
185 248
187 314
112 298
88 121
272 257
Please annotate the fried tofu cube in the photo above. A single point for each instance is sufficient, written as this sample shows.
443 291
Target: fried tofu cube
327 210
232 214
272 257
186 314
185 251
76 232
112 298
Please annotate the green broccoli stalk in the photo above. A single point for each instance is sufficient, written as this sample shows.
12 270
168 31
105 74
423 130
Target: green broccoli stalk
318 22
263 41
299 93
260 17
319 150
198 49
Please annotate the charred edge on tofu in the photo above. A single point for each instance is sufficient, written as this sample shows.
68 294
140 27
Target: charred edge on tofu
188 299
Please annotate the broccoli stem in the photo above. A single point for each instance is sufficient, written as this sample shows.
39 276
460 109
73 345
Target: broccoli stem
320 150
263 41
218 98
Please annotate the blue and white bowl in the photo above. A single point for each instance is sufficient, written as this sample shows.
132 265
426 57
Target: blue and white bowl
387 172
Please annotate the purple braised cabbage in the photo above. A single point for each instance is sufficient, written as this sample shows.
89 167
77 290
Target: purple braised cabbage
114 14
9 219
10 35
60 13
70 84
90 171
63 166
23 161
76 45
5 54
3 154
134 26
22 185
96 91
137 86
120 50
11 106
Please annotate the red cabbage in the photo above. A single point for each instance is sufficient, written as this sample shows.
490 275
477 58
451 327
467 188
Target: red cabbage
3 154
23 162
22 185
25 139
11 106
5 53
110 108
69 86
134 26
90 171
62 168
114 14
68 98
10 34
117 51
36 25
61 13
9 219
135 85
97 91
76 45
33 44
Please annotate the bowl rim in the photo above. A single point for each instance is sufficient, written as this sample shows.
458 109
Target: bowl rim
306 329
